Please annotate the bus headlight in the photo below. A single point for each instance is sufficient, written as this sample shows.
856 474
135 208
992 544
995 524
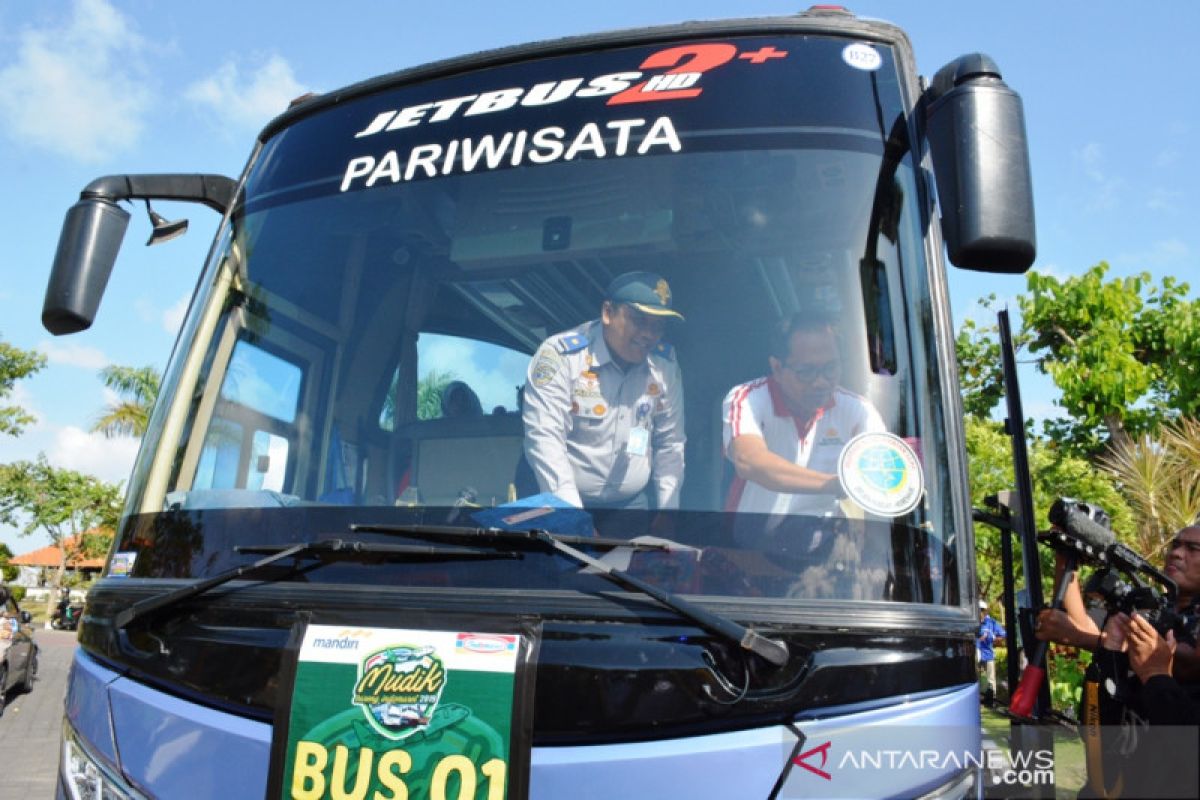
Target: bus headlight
87 777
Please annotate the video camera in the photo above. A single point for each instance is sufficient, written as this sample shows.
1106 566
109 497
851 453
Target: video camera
1119 583
1084 530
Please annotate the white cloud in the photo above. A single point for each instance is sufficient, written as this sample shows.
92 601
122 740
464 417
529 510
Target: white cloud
1167 158
247 102
169 319
1106 189
91 453
73 355
75 89
21 397
1172 255
1167 201
1053 271
172 318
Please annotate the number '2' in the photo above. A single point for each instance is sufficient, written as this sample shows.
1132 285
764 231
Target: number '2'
685 60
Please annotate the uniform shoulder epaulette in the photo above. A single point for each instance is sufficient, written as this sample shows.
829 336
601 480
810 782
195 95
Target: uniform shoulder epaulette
664 350
571 343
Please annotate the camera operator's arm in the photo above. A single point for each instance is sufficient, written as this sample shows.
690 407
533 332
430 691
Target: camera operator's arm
1071 625
1073 599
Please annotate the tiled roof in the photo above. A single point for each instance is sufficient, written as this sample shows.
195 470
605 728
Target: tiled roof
51 556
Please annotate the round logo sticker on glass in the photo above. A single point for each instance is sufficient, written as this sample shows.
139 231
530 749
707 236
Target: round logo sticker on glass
862 56
881 473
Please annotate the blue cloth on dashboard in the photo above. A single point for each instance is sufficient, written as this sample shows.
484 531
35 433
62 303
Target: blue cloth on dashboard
545 511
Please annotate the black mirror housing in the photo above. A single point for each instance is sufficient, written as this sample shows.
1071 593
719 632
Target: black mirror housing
87 249
92 234
975 126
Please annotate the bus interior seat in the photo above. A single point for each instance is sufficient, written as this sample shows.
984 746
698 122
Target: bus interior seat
450 456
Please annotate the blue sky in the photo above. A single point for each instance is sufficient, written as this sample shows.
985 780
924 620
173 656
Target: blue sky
93 87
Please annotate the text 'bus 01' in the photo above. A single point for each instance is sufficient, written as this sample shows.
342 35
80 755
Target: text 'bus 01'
577 420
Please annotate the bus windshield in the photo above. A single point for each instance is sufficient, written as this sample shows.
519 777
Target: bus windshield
387 328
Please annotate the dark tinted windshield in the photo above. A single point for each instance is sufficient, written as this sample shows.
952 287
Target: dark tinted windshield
407 320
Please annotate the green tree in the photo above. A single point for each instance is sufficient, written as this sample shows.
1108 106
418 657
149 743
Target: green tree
60 502
15 364
9 572
429 393
1123 353
429 397
980 372
1054 472
137 389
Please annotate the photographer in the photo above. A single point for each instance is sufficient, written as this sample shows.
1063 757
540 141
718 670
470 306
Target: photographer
1073 627
1141 686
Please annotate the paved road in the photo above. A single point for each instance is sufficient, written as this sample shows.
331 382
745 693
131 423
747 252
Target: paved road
32 724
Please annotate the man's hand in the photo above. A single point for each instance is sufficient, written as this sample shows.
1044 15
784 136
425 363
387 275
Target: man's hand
1149 653
1114 633
1053 625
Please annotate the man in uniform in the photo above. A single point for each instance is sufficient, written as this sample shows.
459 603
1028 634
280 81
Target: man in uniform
603 404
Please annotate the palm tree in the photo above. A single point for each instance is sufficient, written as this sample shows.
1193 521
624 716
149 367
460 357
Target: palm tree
1160 478
429 397
137 389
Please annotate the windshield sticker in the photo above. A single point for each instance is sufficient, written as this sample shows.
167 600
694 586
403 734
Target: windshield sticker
389 712
882 474
511 149
862 56
121 565
674 73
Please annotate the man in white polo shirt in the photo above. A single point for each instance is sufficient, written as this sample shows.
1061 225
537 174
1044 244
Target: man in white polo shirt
784 432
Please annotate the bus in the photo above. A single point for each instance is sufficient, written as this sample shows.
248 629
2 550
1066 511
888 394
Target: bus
330 580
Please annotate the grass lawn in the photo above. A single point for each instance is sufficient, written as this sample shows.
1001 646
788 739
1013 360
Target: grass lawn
1069 769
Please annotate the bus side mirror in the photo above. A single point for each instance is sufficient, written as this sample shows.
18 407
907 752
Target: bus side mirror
92 233
975 127
87 249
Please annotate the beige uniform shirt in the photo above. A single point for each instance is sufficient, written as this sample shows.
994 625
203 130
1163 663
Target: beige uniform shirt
595 433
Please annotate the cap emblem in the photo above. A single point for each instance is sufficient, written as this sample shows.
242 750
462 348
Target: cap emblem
663 291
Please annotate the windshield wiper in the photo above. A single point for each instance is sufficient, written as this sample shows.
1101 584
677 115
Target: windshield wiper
326 548
491 536
775 652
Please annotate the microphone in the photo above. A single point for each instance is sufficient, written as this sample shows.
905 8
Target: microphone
1082 529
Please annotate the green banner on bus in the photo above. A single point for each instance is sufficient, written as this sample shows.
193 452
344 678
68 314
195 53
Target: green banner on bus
396 713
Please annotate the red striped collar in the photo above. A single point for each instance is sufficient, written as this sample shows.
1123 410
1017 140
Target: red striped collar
780 409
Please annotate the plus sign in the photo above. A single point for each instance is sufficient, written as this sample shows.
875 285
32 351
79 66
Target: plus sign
761 56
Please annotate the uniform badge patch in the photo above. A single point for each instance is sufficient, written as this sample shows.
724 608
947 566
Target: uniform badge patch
545 367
